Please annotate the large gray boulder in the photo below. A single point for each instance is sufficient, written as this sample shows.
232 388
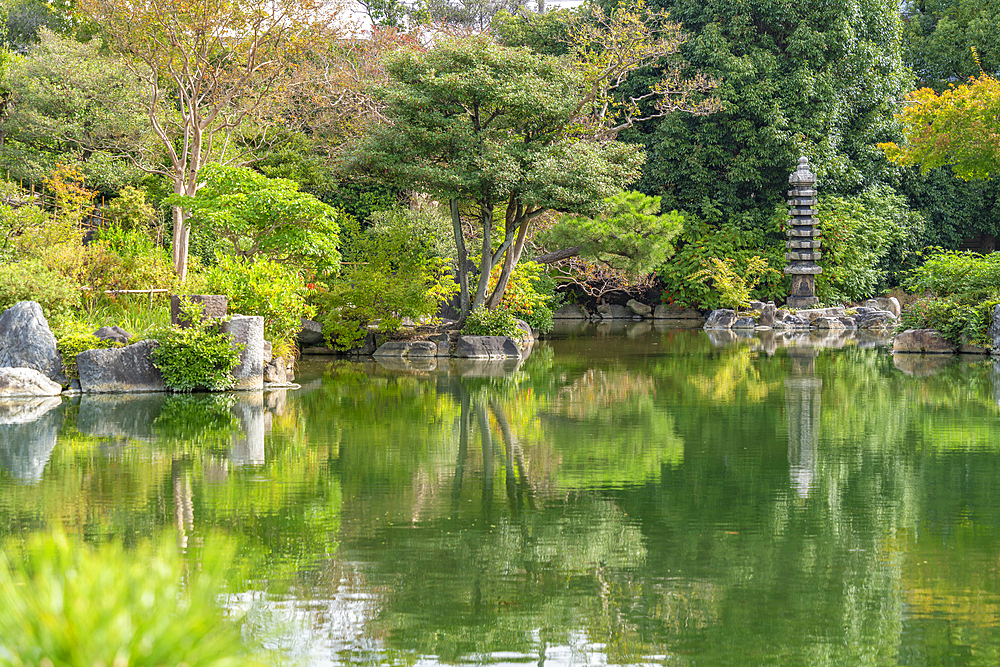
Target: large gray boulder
275 371
813 314
116 334
20 382
27 342
486 347
876 319
663 312
248 331
922 340
890 304
125 370
639 308
571 311
828 323
613 311
311 334
720 319
407 348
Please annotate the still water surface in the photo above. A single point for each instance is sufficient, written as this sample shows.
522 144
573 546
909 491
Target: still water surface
630 496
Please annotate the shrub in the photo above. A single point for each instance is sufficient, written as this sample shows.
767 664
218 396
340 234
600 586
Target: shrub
699 242
957 321
74 338
67 603
73 199
498 322
966 286
529 294
968 275
32 280
130 210
734 289
125 240
28 231
197 357
393 270
262 287
864 236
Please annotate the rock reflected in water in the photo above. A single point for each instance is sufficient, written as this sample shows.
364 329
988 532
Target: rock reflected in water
28 431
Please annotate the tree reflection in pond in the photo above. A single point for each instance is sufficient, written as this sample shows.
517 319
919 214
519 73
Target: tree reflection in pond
620 496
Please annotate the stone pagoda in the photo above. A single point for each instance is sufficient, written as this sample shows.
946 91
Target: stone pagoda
803 237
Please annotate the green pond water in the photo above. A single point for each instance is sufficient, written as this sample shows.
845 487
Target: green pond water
630 495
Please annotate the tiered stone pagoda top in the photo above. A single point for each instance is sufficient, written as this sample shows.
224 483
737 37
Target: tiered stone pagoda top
803 237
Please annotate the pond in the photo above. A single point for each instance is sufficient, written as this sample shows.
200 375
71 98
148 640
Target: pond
629 495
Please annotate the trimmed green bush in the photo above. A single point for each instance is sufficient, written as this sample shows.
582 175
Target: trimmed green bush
198 357
499 322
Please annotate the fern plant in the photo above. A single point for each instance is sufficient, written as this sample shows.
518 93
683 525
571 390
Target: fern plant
734 289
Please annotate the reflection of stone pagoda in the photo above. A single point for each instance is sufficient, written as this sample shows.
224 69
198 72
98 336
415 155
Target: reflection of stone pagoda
803 237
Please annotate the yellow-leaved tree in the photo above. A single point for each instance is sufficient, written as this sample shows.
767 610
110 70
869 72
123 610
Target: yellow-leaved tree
959 128
209 69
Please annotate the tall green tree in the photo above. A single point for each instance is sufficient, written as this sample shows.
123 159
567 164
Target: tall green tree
948 40
495 127
219 65
798 77
68 101
486 126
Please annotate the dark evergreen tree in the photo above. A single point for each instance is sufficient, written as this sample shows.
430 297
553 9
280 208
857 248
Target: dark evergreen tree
799 77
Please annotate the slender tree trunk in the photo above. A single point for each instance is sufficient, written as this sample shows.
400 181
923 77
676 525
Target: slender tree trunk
511 258
180 243
486 264
463 263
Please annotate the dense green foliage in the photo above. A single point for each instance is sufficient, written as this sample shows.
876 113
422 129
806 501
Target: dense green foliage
958 320
261 216
65 602
797 78
258 286
530 295
952 273
866 238
399 267
33 280
70 102
962 289
497 322
197 357
630 236
948 40
699 242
